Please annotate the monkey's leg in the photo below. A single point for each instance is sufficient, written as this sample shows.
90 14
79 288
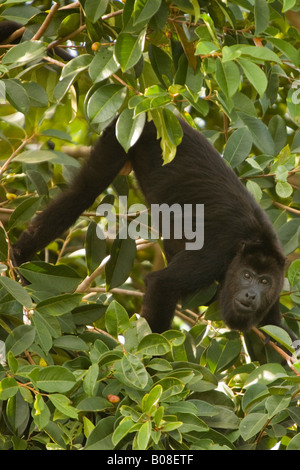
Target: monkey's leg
106 160
164 288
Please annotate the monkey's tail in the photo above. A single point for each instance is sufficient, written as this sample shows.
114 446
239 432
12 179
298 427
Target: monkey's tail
105 162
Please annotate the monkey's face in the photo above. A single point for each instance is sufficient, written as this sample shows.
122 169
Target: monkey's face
250 289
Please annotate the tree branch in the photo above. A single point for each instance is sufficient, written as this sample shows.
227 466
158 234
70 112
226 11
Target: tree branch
278 349
46 23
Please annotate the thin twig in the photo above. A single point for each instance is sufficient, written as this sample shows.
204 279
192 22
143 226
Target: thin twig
46 23
115 290
111 15
287 208
126 85
66 38
71 6
54 61
14 154
15 35
278 349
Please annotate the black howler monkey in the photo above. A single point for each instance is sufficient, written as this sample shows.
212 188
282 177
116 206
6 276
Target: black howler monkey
241 250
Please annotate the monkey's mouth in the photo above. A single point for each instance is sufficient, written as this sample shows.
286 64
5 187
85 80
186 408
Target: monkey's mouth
243 306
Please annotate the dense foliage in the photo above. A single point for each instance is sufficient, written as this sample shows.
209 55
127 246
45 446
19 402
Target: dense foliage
81 370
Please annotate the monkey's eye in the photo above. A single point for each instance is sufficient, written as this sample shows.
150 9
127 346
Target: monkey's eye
247 275
264 281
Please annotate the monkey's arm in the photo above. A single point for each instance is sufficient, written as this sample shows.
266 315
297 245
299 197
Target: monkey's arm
106 160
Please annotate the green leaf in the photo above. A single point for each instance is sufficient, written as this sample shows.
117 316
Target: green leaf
105 102
277 403
95 9
256 53
20 339
281 173
93 404
162 64
17 291
87 314
255 75
17 414
129 129
143 435
54 379
288 5
129 49
8 388
286 48
260 133
280 335
71 343
154 345
103 65
175 338
24 53
254 394
57 134
261 15
40 413
12 362
17 95
151 398
228 77
120 264
44 337
116 319
284 189
172 126
254 189
24 211
40 156
206 48
229 54
171 426
90 379
277 127
95 248
38 182
294 443
190 423
122 430
144 10
220 355
59 305
252 425
63 86
172 389
77 65
131 371
238 147
294 272
51 278
100 437
69 24
63 404
265 374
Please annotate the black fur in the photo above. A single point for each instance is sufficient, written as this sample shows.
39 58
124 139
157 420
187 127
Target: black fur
238 233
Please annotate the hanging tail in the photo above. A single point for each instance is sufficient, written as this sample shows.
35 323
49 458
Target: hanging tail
105 162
